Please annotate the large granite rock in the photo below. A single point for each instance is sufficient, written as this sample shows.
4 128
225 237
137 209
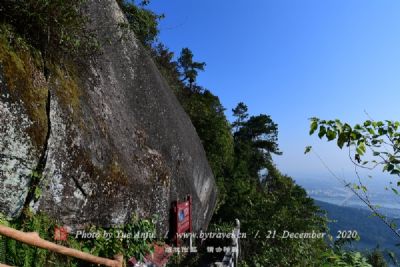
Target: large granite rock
110 139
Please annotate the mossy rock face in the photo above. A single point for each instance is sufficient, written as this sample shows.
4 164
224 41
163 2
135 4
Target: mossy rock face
25 118
23 124
18 156
24 82
119 144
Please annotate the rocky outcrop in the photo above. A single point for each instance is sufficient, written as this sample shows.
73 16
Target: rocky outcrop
112 143
23 125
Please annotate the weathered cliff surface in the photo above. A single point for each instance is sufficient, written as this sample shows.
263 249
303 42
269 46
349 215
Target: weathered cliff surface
103 140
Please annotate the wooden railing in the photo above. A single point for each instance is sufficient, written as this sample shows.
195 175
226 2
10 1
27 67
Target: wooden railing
34 239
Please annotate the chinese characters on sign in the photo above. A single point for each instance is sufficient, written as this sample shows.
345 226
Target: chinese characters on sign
183 217
184 249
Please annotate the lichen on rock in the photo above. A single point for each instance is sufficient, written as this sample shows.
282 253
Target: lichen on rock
22 124
18 156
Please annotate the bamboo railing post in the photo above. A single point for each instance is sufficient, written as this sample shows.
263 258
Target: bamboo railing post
34 239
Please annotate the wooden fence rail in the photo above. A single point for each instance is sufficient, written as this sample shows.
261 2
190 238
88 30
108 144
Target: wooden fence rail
34 239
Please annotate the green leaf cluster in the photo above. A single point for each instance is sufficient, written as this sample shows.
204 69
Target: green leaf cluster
54 27
141 20
116 244
380 140
345 259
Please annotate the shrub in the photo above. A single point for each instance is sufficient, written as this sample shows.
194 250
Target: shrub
55 27
142 21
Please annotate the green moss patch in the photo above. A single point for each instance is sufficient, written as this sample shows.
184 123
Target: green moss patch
24 81
23 70
66 87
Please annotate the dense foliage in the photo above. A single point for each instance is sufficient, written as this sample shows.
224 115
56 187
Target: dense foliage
142 21
266 201
54 27
19 254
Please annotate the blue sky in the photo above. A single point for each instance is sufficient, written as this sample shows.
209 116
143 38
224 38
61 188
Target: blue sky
294 60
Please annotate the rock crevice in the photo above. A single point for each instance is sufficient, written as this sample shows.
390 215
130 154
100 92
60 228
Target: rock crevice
38 173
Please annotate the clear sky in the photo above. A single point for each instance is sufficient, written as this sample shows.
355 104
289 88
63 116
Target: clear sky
294 60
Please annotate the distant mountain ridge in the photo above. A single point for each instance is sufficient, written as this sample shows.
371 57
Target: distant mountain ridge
372 231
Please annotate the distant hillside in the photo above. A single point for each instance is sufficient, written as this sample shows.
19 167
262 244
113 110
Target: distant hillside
371 230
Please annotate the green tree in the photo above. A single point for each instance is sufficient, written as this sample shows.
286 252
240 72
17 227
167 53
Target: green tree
189 68
274 204
255 141
168 67
263 132
240 113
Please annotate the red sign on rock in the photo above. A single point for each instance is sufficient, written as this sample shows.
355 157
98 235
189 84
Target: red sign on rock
183 217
